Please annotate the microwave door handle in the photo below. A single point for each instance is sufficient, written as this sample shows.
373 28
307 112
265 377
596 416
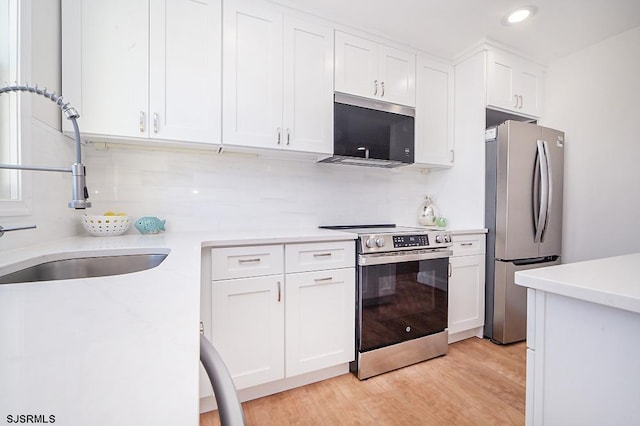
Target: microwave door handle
365 149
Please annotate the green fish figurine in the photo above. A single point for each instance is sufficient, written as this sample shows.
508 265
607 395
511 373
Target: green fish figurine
149 225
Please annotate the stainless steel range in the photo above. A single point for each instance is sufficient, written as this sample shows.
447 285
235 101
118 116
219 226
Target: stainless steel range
401 300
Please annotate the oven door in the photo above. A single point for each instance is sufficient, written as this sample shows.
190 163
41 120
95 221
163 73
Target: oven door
401 296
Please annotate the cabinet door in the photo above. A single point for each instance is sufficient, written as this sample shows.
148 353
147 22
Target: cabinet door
320 313
529 84
434 113
247 328
513 84
500 82
356 66
185 46
252 74
105 65
397 76
466 293
308 86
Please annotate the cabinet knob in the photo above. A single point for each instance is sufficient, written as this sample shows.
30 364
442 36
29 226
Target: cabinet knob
382 87
155 122
288 136
516 104
279 135
375 87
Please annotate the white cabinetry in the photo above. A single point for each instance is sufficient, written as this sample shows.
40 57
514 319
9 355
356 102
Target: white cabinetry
272 322
466 287
582 356
514 84
434 113
247 327
143 69
247 306
372 70
278 80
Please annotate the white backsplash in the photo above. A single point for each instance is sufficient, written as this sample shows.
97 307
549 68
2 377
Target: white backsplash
200 189
206 190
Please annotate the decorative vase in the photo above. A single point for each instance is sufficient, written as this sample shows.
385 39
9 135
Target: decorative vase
428 213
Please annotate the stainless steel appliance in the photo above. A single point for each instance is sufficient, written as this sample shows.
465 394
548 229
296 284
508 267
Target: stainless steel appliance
523 213
372 133
402 300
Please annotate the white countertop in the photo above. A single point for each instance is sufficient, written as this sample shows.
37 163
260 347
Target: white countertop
613 281
121 349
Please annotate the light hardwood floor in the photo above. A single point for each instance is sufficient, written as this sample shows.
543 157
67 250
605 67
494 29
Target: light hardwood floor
476 383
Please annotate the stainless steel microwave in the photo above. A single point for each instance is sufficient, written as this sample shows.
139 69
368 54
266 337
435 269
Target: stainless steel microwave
372 133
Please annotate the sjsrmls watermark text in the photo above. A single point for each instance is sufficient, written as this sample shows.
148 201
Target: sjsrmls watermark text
30 418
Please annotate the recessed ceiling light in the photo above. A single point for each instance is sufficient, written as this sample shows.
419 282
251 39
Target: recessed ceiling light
519 15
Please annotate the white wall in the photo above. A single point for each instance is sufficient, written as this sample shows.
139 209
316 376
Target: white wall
594 96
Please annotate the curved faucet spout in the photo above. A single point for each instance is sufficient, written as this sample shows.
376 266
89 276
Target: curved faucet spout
78 171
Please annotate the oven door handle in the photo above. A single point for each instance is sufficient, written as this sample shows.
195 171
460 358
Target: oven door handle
409 256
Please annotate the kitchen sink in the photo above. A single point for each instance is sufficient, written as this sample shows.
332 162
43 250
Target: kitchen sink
84 267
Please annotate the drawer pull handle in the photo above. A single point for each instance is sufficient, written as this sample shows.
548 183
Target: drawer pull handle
279 292
323 279
466 244
257 259
321 254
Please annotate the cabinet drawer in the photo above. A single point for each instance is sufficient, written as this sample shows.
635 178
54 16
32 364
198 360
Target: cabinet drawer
319 256
241 262
465 245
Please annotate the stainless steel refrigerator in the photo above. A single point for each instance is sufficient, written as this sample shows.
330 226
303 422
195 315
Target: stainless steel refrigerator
523 213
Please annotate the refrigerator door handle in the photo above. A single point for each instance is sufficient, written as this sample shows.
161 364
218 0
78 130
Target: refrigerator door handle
543 194
547 215
535 193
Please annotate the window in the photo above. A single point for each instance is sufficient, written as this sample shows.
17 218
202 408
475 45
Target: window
14 50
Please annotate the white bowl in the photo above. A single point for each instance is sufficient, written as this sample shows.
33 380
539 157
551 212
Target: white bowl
105 226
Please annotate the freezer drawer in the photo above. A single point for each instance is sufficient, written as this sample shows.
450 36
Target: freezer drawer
509 317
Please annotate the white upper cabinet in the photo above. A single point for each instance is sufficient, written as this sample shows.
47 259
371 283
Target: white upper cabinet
434 113
144 69
372 70
105 64
185 70
514 84
278 81
252 74
308 86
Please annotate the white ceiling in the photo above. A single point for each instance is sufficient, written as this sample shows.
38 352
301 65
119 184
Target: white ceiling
448 27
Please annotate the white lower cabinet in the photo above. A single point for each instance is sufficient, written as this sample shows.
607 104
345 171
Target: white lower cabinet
278 325
466 287
320 328
248 328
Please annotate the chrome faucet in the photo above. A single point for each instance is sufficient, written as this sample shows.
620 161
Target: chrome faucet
77 169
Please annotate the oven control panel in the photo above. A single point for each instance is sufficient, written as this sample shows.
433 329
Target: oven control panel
402 241
376 243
